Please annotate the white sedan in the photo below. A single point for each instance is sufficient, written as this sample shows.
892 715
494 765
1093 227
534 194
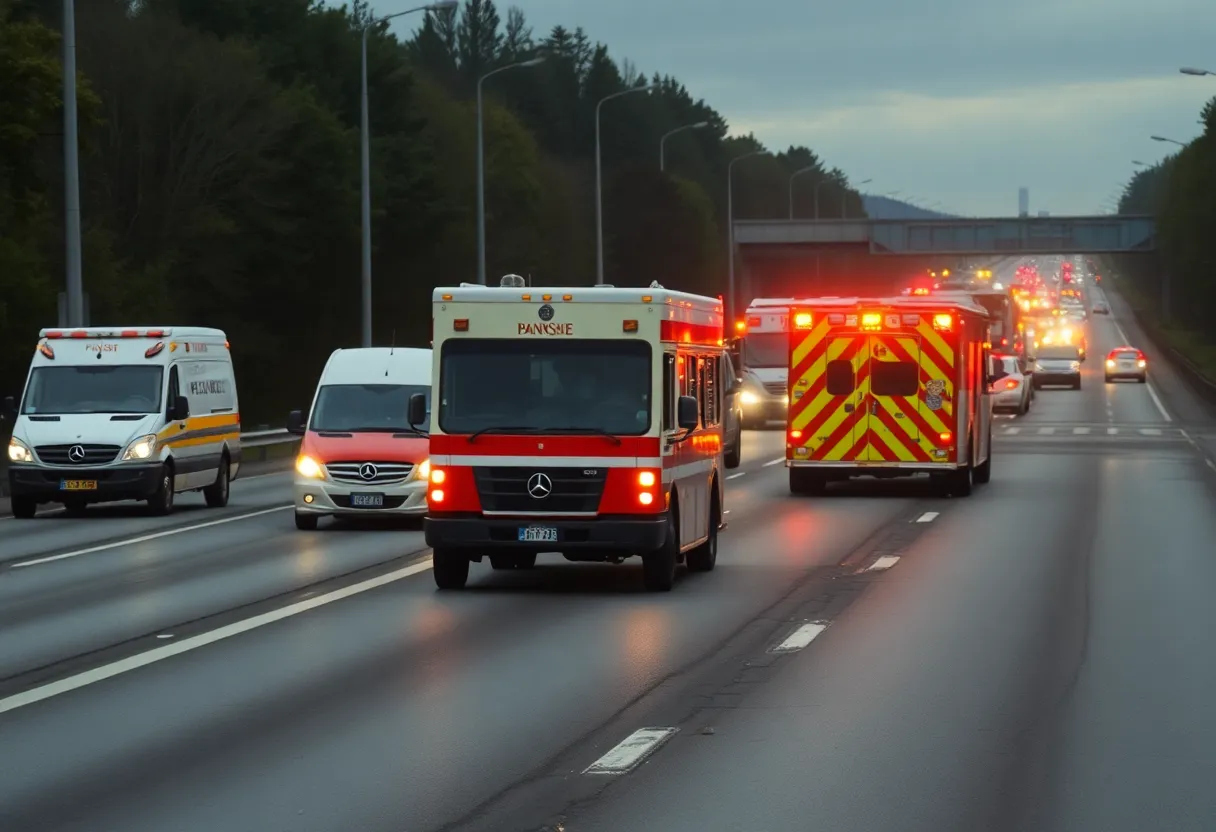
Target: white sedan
1013 393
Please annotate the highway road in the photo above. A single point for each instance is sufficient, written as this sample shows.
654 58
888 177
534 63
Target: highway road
1033 657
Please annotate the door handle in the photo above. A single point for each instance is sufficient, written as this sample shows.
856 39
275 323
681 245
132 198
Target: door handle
848 408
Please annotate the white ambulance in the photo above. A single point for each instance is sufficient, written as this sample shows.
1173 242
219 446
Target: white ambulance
764 337
125 413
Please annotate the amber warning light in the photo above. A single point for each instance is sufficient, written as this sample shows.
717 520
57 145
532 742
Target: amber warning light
802 320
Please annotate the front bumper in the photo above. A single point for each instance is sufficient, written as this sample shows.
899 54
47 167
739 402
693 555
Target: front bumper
604 533
1042 378
325 499
130 481
765 409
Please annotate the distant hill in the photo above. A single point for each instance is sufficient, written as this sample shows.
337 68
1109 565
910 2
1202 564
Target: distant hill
885 208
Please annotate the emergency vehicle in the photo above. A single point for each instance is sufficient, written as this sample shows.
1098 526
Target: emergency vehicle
586 421
889 388
763 334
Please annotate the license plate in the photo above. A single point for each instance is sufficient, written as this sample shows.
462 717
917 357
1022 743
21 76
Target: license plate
538 534
78 485
367 501
1127 365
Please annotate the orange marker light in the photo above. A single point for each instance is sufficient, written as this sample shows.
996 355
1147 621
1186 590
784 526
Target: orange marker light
795 434
945 437
802 320
461 325
945 322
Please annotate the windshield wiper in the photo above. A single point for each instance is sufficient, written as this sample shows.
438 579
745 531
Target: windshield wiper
616 440
377 429
502 429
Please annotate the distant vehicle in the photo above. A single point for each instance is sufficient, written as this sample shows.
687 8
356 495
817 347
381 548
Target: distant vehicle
1058 364
732 409
1013 393
763 336
1126 362
1100 308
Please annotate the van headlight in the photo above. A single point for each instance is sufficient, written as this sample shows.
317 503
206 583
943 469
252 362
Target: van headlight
422 471
142 448
1075 366
19 452
309 468
749 398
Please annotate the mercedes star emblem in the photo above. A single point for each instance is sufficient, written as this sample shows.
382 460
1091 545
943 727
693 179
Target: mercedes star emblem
368 471
76 453
539 486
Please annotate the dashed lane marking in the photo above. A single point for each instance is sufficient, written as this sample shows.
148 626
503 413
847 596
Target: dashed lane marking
1112 431
1149 432
773 462
1012 431
736 476
927 517
631 751
1046 431
801 637
1080 431
883 563
108 671
131 541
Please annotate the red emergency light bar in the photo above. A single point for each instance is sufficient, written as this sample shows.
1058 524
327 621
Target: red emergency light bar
125 333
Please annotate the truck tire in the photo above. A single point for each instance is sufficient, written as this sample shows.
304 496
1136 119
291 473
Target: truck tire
962 482
217 493
161 501
659 566
705 557
451 568
24 508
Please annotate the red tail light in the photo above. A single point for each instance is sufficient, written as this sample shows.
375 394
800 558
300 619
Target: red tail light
1010 384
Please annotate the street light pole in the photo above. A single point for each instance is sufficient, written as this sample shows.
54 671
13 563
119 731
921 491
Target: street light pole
844 202
794 176
74 282
1190 70
1171 141
366 164
670 133
481 179
599 183
730 229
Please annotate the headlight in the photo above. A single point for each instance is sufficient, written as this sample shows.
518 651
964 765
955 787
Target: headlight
749 397
422 470
142 448
308 467
1075 365
18 452
1110 362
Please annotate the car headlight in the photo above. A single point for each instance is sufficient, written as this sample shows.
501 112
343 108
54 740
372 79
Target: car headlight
19 452
142 448
748 397
1075 365
308 467
422 470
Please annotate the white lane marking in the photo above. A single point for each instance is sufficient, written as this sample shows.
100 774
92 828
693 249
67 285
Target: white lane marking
1152 394
928 517
1012 431
883 563
1211 464
1111 431
1080 431
130 541
164 635
1149 432
773 462
736 476
631 751
1046 431
801 637
158 654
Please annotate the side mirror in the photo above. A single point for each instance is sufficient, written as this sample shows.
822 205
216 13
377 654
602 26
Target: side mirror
180 410
9 411
687 416
417 411
295 422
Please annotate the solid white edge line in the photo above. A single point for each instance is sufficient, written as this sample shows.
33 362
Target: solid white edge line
801 637
736 476
1211 464
131 541
630 752
158 654
773 462
928 517
883 563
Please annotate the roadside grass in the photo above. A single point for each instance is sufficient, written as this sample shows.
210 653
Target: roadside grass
1196 347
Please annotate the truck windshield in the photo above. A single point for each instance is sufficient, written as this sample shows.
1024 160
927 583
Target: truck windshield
568 385
105 388
355 408
766 349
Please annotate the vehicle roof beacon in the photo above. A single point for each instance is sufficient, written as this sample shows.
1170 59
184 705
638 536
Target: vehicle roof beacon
512 281
654 284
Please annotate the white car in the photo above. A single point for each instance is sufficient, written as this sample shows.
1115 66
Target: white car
1014 392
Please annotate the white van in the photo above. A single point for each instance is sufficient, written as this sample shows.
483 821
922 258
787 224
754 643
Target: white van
125 413
359 456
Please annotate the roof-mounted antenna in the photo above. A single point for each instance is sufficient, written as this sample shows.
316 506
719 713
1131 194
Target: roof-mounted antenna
392 343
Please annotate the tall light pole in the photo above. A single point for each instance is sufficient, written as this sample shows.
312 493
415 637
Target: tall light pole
819 185
1171 141
730 229
794 176
481 177
599 183
74 283
663 141
1190 70
365 143
844 202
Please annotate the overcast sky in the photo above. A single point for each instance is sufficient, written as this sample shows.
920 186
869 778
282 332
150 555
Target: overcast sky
957 102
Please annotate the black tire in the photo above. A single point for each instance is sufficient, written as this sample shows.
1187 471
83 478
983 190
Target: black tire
983 471
524 561
734 452
705 557
161 501
216 494
962 482
807 483
306 522
24 508
451 569
659 566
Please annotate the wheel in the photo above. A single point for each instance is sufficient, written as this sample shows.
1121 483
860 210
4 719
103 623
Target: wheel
806 483
161 502
24 508
525 561
1024 407
659 566
216 494
983 471
734 453
961 482
306 522
451 569
705 557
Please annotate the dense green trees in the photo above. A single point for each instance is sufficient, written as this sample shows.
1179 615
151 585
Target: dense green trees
220 172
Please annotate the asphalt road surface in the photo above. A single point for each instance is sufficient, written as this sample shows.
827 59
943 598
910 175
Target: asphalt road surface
1034 657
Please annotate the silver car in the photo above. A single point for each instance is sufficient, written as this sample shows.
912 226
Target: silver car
1058 364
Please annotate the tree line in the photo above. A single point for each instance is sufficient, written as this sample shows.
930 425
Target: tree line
1180 192
220 172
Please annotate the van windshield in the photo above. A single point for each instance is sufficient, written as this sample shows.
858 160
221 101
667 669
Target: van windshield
365 408
766 349
103 388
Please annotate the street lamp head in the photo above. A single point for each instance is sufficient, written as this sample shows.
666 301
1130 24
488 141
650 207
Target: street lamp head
864 182
1190 70
1138 162
1159 138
